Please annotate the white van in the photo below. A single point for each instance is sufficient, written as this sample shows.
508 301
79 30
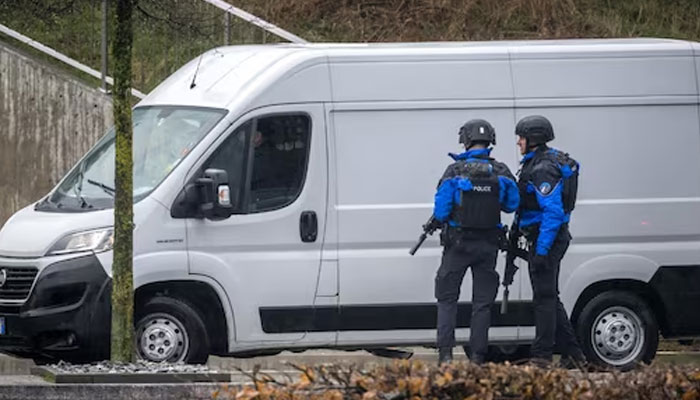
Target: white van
278 189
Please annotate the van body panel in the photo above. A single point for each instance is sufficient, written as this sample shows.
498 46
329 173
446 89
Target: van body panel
308 82
618 266
696 54
46 228
594 77
650 204
414 337
396 81
596 48
676 286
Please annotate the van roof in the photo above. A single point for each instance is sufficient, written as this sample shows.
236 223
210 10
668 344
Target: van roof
497 43
219 76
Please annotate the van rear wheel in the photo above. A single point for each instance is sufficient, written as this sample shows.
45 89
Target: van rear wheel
170 330
618 329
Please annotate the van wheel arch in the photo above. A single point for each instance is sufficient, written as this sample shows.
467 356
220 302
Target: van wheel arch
639 288
202 297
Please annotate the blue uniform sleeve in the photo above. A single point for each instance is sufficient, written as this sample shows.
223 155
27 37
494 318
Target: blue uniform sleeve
509 196
444 199
549 198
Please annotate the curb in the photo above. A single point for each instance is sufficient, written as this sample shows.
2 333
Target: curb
55 376
195 391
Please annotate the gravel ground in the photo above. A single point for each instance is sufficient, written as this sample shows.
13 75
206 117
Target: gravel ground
138 367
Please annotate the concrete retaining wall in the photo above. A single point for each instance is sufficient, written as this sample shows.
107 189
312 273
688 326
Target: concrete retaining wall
48 120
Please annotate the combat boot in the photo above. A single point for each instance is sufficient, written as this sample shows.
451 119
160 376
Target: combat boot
444 355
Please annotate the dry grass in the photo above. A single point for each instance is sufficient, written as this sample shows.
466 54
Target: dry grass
170 32
415 380
426 20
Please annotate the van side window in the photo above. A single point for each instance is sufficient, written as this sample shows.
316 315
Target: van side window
231 157
280 157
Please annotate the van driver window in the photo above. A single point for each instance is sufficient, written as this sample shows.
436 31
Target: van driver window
278 146
280 156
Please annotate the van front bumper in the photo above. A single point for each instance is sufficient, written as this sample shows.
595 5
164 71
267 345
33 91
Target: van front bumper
66 316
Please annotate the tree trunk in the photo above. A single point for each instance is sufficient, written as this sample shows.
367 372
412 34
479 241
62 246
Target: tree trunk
122 268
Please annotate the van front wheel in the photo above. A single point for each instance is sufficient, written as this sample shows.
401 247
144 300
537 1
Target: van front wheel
618 329
170 330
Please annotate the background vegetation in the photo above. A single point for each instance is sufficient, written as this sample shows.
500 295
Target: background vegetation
169 33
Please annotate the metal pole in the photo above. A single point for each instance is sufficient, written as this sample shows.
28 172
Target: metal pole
227 28
105 10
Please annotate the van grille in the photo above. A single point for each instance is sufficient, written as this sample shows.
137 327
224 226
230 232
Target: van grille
18 282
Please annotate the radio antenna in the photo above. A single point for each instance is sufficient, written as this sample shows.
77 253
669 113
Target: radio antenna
194 77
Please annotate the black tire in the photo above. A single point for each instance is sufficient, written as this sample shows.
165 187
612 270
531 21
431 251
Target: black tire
615 313
502 353
182 323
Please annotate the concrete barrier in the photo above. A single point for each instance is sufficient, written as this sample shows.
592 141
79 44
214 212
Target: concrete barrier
48 120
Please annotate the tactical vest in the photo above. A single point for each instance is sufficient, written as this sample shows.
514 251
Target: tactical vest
569 170
478 207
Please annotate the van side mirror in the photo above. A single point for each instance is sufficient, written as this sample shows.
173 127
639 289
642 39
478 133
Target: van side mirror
215 194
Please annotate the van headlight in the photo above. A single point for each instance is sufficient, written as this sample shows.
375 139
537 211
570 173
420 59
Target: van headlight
97 240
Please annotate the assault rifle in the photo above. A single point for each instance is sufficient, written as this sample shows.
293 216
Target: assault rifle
428 229
513 251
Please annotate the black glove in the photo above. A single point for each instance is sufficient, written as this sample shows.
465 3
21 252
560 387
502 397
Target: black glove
539 261
432 226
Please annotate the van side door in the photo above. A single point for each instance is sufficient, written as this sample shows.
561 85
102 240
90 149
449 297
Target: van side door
388 164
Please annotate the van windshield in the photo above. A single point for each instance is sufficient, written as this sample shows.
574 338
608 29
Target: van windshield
162 137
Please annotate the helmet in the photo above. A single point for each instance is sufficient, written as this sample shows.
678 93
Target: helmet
536 129
477 130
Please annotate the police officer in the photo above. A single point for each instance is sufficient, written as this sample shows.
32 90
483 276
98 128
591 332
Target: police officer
547 184
470 197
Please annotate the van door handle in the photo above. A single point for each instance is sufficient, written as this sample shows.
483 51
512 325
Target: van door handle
308 226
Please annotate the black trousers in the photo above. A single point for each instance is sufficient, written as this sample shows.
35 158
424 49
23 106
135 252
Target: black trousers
552 326
480 255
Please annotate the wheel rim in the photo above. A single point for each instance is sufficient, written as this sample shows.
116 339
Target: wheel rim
161 337
617 335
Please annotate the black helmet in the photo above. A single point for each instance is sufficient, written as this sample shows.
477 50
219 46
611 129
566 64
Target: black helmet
536 129
477 130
